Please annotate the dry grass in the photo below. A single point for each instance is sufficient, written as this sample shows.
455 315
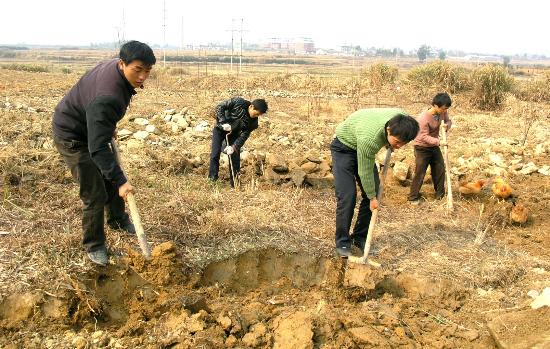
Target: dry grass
490 83
40 211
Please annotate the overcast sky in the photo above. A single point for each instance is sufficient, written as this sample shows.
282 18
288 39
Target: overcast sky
483 26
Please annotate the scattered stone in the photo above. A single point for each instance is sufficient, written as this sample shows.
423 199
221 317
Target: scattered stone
141 135
497 160
540 149
97 334
277 163
224 321
152 129
174 127
80 342
320 182
544 170
231 341
251 339
529 168
309 167
141 121
169 112
182 122
133 144
124 133
533 294
542 299
202 126
298 177
401 171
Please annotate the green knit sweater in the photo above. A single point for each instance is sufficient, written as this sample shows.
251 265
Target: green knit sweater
364 131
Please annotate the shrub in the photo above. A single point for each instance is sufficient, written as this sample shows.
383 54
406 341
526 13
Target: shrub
178 71
490 84
534 90
7 54
26 67
439 75
380 75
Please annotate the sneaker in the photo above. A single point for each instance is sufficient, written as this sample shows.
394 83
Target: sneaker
99 256
343 251
125 225
414 202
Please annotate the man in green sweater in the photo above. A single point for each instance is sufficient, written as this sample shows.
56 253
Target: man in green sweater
358 139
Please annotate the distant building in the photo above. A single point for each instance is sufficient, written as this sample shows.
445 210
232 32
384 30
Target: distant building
297 46
483 58
304 46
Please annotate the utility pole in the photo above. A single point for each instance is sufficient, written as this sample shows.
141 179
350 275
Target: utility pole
232 31
182 45
123 24
241 53
164 35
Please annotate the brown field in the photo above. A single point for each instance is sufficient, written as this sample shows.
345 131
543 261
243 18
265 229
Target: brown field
255 267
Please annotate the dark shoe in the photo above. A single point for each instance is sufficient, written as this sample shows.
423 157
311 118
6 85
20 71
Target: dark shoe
99 256
359 242
123 225
357 251
344 251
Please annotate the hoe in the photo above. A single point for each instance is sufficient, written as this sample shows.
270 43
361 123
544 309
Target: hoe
364 259
134 213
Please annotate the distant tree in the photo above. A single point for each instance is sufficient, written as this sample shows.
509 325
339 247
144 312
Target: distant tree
423 53
442 55
506 61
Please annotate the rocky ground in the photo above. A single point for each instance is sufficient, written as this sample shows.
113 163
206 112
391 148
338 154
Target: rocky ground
254 267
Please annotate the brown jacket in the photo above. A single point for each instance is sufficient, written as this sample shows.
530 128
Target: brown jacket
428 136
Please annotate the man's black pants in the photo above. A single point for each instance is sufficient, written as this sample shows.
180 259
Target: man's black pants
346 176
218 138
97 193
428 156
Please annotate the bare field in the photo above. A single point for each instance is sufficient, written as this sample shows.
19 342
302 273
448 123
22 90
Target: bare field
255 267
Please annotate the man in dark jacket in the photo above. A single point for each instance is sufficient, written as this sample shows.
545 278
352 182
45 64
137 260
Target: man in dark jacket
84 124
236 118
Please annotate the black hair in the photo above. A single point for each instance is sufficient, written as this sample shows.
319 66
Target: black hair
404 127
260 105
442 99
135 50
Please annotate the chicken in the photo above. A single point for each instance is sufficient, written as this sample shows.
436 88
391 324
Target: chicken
519 214
501 189
471 188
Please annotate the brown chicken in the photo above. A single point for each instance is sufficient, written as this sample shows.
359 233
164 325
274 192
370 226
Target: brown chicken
519 214
471 188
501 189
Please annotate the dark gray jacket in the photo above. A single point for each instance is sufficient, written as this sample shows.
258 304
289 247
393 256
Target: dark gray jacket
234 111
90 111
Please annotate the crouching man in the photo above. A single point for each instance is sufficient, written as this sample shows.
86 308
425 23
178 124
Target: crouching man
358 139
84 124
236 118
